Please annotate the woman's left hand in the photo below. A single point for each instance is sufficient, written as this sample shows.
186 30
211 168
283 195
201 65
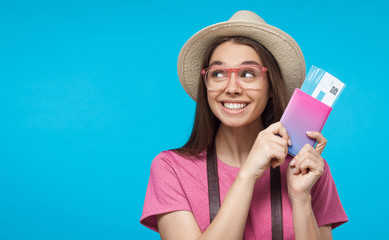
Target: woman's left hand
305 168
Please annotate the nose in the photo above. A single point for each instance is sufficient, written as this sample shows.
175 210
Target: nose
233 87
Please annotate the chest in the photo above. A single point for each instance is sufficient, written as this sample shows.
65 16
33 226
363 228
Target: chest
258 224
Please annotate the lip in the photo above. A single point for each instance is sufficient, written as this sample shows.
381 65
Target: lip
233 112
233 101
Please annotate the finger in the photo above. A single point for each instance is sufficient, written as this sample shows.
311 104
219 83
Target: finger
309 165
279 147
320 139
305 166
297 162
279 129
280 142
277 156
278 153
276 162
310 155
304 153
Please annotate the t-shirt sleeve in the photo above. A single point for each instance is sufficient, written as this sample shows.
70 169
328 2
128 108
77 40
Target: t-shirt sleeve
326 203
164 192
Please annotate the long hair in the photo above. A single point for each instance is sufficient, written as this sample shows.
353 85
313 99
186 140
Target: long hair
206 124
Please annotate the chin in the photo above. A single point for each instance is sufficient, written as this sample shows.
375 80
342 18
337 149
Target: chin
238 123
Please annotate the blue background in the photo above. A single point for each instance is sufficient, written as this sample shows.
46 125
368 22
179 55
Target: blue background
89 94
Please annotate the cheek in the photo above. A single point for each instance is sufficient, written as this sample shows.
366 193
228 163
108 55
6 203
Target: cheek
262 101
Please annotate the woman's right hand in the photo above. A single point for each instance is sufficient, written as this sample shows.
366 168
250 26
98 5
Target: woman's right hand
269 148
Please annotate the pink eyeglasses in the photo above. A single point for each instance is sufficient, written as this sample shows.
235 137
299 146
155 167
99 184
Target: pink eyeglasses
249 77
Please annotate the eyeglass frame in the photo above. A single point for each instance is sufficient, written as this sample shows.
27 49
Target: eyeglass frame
235 70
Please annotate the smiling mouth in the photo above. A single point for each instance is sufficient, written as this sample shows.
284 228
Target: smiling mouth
235 106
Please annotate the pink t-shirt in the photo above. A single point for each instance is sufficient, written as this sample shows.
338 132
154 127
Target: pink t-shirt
180 183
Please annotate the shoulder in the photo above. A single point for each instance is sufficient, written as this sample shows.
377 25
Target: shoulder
167 190
174 161
172 157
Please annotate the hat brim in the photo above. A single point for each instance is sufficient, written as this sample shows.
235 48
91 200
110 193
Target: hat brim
283 47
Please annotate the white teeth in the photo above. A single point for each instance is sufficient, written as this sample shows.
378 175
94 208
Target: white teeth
234 106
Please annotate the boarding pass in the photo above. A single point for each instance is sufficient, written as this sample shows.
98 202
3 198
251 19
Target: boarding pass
322 86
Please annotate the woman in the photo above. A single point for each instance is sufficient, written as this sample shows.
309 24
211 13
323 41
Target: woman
242 73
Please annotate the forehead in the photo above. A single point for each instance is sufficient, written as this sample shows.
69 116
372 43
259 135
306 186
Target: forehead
234 54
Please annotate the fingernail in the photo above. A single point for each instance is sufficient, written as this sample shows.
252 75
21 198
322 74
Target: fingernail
309 132
294 170
289 142
292 162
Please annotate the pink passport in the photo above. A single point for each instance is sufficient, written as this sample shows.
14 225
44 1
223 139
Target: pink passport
303 113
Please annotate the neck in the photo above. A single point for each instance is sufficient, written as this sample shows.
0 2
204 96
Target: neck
234 144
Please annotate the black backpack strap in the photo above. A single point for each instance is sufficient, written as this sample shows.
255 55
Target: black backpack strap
213 182
275 188
276 204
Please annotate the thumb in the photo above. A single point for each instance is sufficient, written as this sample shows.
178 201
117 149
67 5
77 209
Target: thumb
320 139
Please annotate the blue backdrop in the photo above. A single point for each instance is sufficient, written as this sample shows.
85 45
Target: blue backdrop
89 95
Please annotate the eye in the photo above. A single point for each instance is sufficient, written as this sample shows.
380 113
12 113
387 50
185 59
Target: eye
247 73
218 73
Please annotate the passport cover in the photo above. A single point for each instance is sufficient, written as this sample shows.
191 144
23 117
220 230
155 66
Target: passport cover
303 113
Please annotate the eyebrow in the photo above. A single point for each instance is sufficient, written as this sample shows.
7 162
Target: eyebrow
215 63
218 63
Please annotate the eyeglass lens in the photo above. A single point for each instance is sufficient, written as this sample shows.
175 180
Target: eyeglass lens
248 78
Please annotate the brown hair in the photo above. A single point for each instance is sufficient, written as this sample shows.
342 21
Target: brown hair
206 123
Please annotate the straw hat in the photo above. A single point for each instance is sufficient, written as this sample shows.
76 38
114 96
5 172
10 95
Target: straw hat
247 24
